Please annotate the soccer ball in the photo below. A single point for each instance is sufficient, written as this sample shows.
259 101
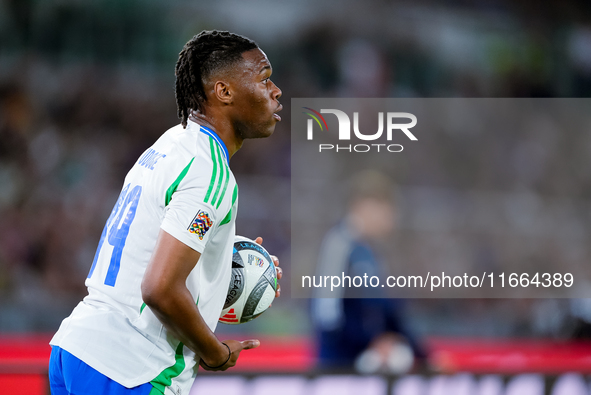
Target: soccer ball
253 283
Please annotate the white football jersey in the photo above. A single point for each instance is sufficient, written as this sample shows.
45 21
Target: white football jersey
183 185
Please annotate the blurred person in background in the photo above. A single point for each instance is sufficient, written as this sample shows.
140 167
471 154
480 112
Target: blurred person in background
364 70
161 271
359 327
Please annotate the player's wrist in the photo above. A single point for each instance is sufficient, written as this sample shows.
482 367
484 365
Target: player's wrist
221 359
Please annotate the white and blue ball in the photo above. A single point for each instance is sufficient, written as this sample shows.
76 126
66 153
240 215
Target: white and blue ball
252 285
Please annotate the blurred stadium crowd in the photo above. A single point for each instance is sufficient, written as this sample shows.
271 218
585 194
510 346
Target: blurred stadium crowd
86 87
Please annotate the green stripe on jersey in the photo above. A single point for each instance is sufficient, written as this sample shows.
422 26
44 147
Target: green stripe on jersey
215 170
164 379
228 216
225 187
220 178
173 187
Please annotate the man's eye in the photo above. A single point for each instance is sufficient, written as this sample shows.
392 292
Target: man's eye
265 80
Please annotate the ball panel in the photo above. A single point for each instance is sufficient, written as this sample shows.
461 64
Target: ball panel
265 301
229 317
253 299
270 275
235 287
245 244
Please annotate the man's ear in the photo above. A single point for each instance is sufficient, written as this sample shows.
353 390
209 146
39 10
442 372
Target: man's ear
222 91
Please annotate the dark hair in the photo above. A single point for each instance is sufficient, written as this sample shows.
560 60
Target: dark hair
204 54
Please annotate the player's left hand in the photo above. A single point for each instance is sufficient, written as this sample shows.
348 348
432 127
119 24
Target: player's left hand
259 240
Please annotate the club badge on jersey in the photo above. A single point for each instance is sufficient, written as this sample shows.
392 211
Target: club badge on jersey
200 224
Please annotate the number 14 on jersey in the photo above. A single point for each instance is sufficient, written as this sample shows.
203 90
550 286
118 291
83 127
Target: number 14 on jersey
116 230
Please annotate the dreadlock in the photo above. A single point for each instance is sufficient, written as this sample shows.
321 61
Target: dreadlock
205 53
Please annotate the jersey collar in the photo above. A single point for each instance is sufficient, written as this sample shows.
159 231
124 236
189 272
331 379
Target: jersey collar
217 139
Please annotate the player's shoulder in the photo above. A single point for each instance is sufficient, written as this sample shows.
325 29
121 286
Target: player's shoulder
181 145
211 154
203 152
204 171
210 143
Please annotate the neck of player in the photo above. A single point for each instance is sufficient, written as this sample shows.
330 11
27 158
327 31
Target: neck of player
222 127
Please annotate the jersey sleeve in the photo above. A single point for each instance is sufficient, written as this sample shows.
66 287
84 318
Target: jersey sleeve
190 215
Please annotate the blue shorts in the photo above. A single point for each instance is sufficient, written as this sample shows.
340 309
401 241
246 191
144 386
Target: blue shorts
70 376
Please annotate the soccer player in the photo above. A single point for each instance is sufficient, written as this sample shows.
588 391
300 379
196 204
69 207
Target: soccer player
162 268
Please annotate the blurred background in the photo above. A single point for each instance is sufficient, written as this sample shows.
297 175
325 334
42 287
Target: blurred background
86 87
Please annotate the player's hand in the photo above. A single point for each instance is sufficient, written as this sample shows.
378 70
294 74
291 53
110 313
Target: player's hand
235 348
259 240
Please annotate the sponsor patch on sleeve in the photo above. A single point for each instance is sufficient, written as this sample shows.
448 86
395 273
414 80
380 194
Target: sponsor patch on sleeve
200 224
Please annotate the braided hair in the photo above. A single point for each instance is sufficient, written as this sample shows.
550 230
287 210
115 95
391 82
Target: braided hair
204 54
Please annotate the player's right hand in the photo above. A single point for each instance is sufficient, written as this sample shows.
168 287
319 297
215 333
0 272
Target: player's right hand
235 347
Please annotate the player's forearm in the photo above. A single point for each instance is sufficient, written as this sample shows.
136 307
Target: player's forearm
179 314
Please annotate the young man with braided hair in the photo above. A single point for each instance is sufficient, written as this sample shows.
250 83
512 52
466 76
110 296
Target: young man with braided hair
161 271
